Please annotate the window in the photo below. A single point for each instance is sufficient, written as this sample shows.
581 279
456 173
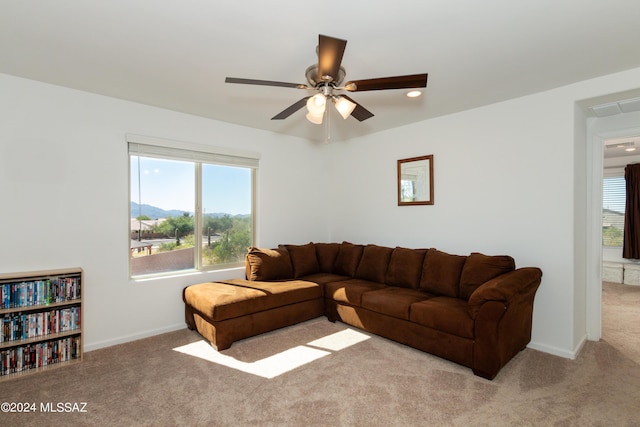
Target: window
190 207
613 205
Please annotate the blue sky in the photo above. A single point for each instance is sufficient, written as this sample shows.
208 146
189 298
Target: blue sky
170 184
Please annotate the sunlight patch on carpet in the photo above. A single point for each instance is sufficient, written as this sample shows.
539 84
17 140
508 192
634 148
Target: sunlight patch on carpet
340 340
269 367
277 364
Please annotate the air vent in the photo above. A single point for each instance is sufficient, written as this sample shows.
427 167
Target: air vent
624 143
605 110
617 144
613 108
630 105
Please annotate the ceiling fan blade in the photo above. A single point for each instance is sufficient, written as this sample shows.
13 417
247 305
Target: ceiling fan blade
397 82
265 83
330 51
360 113
291 109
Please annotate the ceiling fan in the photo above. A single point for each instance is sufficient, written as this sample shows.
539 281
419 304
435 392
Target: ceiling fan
326 78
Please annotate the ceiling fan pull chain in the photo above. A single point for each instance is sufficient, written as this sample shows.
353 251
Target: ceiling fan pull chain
328 126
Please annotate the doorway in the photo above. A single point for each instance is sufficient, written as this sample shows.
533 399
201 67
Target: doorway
600 130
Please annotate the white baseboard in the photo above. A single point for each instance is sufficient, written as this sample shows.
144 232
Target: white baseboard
567 354
133 337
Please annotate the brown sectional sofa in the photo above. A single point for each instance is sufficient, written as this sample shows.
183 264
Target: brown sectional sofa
474 310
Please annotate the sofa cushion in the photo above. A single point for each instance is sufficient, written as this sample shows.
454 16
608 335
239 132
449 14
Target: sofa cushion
303 259
234 298
441 273
405 267
350 291
445 314
327 254
393 301
268 264
348 259
324 278
373 263
480 268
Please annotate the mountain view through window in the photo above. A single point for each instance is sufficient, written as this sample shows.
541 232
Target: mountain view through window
169 233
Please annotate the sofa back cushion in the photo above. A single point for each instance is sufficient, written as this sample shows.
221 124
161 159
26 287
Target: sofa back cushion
441 273
348 259
480 268
303 259
405 267
326 254
373 263
268 264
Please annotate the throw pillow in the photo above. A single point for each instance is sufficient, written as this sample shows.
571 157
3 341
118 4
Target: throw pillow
327 254
303 259
268 264
441 273
348 259
374 262
405 267
480 268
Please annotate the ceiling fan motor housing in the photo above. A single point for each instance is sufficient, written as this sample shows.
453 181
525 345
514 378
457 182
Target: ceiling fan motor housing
315 80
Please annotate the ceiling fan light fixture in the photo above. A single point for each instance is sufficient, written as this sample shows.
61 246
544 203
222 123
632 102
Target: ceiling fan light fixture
414 93
344 106
316 119
316 104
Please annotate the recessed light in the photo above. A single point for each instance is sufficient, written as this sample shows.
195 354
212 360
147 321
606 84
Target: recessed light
414 93
630 149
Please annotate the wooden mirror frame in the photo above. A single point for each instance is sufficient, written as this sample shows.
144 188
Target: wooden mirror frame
419 190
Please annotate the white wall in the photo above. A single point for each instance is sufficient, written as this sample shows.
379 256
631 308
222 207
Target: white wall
64 197
510 178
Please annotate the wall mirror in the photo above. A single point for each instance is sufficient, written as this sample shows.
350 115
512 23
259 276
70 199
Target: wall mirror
415 181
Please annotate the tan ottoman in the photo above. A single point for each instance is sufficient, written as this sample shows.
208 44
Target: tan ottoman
224 312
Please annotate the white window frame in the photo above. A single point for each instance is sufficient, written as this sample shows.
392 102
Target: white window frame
183 151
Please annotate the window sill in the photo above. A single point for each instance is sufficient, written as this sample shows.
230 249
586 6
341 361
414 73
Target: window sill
229 271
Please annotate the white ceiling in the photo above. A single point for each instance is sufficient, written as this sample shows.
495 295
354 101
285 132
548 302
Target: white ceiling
176 54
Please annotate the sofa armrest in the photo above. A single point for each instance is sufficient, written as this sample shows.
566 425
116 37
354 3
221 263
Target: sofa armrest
505 288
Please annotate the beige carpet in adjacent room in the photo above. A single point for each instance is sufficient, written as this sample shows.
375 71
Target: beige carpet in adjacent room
350 379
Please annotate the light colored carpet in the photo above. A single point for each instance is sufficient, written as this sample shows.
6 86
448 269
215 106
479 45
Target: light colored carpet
369 381
621 318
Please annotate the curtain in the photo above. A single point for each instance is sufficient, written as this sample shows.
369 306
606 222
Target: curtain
631 245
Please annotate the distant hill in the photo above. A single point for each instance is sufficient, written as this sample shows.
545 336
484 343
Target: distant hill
153 212
157 213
